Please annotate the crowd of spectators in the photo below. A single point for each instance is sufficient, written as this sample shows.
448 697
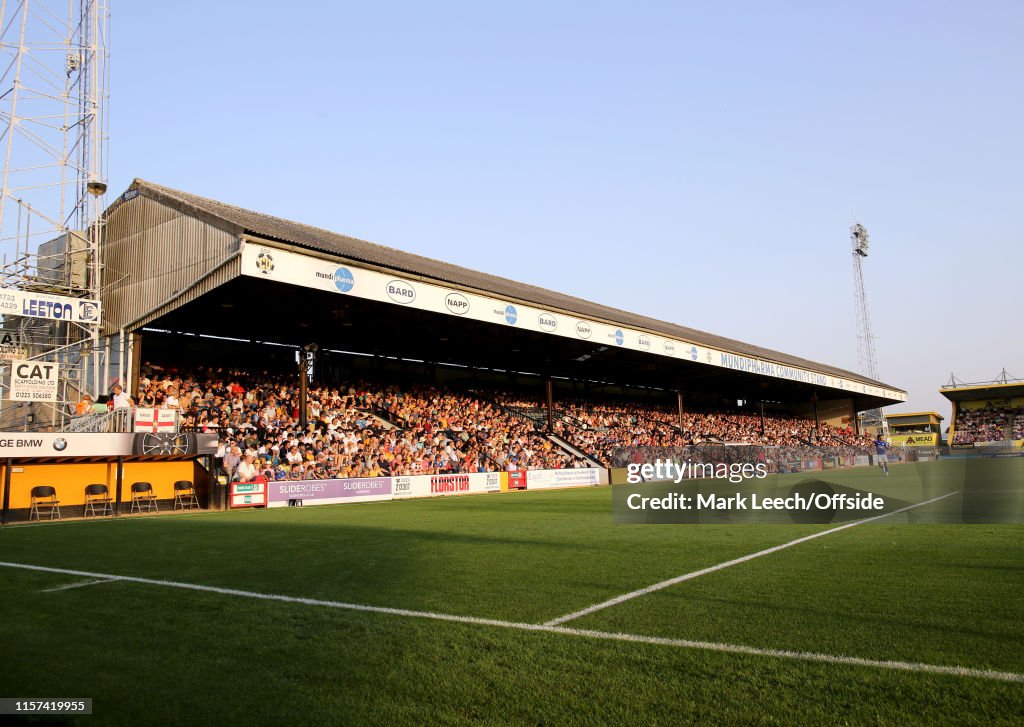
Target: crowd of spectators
356 430
368 429
988 424
598 429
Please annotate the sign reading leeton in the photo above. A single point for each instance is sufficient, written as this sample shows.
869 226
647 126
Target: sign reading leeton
14 302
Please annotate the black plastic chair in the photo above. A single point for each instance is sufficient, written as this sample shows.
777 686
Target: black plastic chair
143 497
185 496
98 494
44 498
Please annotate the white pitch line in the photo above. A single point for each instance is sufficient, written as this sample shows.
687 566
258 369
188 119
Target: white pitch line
727 564
81 584
958 671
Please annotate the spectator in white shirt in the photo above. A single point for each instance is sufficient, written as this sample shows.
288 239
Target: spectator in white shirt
246 469
121 400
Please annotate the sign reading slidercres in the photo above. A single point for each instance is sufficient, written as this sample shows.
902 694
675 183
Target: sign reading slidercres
271 263
326 492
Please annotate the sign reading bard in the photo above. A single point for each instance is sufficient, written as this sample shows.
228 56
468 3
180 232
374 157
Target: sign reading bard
45 305
33 380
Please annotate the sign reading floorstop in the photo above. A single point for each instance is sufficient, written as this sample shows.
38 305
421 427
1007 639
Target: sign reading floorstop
33 380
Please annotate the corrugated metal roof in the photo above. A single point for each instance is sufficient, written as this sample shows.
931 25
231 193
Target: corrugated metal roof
157 258
238 221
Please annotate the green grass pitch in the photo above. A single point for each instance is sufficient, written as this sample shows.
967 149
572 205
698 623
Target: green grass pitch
943 594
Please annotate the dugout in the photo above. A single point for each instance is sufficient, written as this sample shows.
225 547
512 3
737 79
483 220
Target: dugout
70 476
917 429
190 275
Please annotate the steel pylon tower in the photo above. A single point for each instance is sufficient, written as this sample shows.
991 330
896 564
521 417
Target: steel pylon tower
867 360
53 128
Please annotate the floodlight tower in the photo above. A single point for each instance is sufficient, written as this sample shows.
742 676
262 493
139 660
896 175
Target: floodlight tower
53 129
867 361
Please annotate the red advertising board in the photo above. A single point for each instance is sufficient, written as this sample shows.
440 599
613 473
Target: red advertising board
248 494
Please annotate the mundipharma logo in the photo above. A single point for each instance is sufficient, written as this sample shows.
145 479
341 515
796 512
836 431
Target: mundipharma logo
344 280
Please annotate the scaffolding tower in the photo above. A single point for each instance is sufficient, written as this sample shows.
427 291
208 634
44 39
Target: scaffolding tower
53 132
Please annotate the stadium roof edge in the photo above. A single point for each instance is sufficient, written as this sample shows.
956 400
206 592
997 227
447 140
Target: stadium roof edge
239 221
976 392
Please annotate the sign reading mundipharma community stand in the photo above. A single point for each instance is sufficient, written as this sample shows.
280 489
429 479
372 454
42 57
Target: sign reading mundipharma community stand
15 302
326 492
33 380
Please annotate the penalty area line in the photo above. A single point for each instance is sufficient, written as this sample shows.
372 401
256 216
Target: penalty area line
958 671
728 564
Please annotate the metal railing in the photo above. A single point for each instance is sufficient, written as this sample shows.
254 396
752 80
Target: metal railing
115 420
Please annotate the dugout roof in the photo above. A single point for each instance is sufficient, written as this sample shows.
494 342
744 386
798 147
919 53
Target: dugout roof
182 262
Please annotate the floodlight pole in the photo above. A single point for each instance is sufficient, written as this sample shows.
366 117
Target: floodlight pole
866 358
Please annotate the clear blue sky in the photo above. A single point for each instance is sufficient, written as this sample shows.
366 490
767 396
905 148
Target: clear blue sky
696 162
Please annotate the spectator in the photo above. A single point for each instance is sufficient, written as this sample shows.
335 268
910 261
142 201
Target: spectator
246 471
120 400
84 406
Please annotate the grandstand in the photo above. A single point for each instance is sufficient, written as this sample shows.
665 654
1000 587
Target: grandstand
412 366
418 366
915 429
190 265
986 414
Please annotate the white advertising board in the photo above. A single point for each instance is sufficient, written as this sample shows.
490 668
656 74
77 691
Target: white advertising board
440 485
545 479
34 380
12 347
15 302
272 263
64 444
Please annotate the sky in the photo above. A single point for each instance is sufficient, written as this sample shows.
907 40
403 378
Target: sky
700 163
